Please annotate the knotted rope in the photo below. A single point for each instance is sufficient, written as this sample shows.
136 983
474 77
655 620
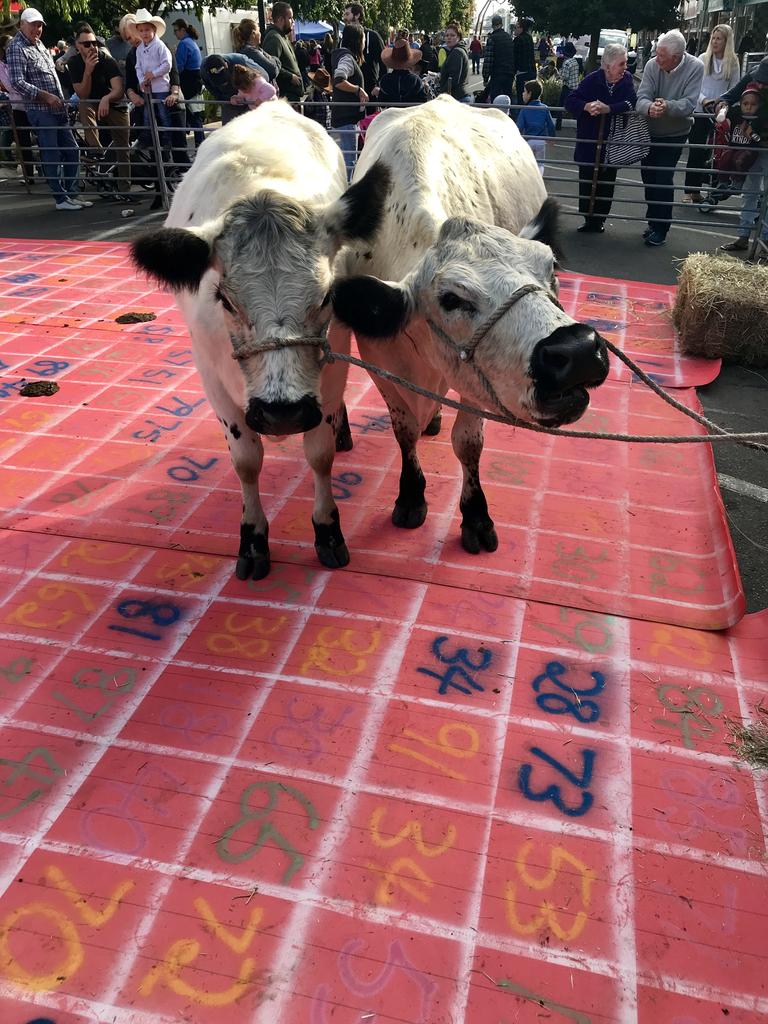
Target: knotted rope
465 354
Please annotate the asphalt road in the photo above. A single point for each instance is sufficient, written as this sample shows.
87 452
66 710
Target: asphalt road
738 399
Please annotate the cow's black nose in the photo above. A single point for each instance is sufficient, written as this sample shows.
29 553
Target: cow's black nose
283 417
573 356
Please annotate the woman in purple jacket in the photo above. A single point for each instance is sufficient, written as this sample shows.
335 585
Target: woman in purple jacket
610 90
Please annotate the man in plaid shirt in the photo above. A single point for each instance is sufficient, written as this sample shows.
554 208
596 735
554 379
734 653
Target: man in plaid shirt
569 76
33 76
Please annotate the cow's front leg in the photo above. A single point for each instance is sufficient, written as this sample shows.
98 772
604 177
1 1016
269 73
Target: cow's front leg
410 509
477 530
253 556
344 442
319 449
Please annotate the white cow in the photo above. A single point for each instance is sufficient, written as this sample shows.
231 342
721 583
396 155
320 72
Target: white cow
461 235
248 246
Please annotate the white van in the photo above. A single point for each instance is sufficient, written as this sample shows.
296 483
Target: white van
612 35
607 35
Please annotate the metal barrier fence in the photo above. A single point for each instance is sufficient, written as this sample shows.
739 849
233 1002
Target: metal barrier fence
159 154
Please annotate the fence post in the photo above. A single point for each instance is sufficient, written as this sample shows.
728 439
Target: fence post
598 165
162 183
757 241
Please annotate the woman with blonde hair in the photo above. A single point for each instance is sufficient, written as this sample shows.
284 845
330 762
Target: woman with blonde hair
245 34
721 73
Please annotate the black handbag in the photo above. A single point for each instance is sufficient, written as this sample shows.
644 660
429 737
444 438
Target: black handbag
629 140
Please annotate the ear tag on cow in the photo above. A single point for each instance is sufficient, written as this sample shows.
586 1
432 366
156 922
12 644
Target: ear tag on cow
463 355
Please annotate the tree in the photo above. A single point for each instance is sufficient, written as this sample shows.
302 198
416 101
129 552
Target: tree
588 17
430 15
326 10
62 15
461 11
397 13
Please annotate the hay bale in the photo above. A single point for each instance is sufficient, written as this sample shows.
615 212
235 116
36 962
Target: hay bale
721 310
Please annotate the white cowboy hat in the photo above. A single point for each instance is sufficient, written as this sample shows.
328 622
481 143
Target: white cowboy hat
143 17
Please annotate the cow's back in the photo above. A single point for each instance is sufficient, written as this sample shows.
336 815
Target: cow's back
446 159
272 147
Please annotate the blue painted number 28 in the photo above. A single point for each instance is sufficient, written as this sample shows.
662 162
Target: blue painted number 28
554 703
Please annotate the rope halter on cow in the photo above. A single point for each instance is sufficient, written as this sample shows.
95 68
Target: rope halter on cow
244 352
465 353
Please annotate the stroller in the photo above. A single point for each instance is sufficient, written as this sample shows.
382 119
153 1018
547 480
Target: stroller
730 165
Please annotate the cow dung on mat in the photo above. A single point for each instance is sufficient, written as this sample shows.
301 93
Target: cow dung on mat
721 309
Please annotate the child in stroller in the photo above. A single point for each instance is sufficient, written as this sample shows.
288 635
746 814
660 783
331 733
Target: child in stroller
740 131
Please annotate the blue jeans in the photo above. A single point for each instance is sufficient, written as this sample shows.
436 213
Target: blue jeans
169 117
59 154
752 189
345 137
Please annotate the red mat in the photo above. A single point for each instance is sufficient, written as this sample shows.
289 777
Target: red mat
132 452
387 794
636 317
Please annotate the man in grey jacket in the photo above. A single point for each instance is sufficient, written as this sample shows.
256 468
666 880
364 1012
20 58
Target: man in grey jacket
667 96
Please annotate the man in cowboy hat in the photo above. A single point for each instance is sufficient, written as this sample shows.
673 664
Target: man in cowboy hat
33 75
402 84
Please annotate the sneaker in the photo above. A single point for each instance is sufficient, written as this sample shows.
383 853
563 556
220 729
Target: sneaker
123 197
655 238
67 204
740 245
80 202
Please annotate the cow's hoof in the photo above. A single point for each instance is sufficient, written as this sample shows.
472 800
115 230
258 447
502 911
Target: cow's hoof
333 557
344 442
253 562
477 537
329 543
432 429
252 568
409 517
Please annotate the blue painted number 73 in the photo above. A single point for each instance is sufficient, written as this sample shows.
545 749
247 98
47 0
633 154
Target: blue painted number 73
552 792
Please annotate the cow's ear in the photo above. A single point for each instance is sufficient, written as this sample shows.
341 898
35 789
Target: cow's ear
175 257
360 211
544 227
371 307
457 228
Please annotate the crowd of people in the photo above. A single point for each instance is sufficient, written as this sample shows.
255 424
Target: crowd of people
116 85
674 88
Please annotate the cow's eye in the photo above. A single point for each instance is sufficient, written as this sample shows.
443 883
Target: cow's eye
222 298
451 301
